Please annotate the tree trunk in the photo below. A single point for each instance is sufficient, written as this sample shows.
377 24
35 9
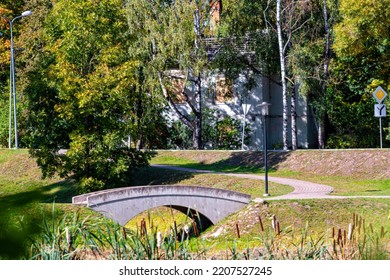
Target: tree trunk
283 74
294 141
322 115
197 130
321 135
197 136
139 112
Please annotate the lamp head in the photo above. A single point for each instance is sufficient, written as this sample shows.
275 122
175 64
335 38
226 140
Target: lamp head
26 13
264 108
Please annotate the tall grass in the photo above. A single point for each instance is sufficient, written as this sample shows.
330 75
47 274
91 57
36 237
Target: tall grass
66 238
77 237
85 237
360 241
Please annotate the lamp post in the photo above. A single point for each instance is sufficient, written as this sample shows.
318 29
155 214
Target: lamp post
12 82
265 112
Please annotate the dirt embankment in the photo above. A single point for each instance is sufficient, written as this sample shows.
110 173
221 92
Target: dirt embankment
369 164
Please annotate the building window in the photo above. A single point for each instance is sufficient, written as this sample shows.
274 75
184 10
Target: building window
223 91
175 89
215 13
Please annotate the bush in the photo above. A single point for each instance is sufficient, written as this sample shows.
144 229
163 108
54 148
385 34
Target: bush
179 136
218 132
340 142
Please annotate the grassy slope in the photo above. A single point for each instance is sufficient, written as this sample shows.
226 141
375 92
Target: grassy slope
350 172
21 187
24 198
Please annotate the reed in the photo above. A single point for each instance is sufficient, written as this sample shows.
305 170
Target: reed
359 242
76 236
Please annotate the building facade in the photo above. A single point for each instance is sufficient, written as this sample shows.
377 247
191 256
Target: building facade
228 100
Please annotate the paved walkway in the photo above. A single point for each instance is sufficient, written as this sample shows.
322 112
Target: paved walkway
302 189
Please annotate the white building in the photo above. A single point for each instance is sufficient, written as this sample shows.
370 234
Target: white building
228 101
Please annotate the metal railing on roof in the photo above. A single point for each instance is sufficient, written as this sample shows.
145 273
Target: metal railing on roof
244 45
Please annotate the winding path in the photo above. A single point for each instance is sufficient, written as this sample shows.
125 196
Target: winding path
302 189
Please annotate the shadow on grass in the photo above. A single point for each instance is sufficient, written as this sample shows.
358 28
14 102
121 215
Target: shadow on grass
157 176
20 216
242 162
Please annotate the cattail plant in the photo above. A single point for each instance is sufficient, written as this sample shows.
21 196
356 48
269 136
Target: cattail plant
238 231
261 223
361 242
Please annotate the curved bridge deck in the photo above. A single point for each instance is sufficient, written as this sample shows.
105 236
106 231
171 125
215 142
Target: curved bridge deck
209 205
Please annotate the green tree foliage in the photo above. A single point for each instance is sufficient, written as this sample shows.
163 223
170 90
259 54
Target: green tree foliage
363 62
248 46
81 95
229 133
4 120
219 132
364 29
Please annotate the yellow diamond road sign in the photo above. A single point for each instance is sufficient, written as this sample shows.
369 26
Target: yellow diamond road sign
379 94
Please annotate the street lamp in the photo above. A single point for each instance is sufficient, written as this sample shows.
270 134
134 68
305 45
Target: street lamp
265 112
12 86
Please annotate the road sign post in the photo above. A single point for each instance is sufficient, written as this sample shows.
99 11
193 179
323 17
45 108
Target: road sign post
245 109
380 109
379 94
380 132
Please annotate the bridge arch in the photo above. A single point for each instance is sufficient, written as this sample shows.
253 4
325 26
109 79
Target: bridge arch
206 206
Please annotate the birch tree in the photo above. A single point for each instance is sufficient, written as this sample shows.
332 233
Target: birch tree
327 57
310 59
282 56
291 18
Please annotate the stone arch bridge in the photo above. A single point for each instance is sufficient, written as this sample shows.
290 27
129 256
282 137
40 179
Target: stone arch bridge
206 206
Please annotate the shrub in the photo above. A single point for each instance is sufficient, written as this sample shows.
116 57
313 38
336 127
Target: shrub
218 132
